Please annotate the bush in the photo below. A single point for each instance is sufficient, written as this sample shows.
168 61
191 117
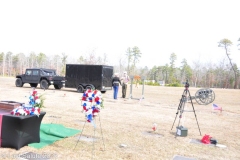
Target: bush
152 84
175 84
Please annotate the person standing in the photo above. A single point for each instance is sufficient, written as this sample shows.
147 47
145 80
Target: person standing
115 83
125 79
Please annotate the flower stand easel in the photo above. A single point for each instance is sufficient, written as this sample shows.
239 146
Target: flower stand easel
92 103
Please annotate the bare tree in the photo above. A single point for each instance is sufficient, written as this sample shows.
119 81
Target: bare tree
225 43
41 58
9 63
129 58
91 59
56 63
2 60
121 62
196 72
64 61
173 58
19 62
32 60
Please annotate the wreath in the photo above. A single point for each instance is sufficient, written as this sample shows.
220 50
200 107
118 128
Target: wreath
92 103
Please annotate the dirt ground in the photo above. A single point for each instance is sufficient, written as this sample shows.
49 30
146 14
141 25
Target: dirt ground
124 126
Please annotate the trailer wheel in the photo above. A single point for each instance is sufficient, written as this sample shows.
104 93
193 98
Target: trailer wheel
80 89
19 82
44 84
90 87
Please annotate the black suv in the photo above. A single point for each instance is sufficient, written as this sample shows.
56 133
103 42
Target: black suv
44 77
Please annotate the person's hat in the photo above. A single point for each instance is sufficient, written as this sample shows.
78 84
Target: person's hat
115 74
124 72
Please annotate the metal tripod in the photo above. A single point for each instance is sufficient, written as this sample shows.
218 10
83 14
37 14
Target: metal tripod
186 94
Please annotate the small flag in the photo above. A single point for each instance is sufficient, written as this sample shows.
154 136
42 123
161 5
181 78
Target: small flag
216 107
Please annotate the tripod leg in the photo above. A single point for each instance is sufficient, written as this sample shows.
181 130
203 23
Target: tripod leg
80 135
181 112
177 113
101 132
177 126
179 107
93 147
194 112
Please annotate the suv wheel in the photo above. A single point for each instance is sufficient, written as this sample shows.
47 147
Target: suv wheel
44 84
57 86
19 82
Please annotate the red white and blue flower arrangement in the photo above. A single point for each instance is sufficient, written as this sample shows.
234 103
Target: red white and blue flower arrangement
92 103
35 102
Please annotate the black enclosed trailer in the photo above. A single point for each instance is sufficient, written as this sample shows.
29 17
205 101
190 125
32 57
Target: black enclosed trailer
82 77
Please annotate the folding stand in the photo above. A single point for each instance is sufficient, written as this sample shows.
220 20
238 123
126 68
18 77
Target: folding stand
185 96
130 96
93 149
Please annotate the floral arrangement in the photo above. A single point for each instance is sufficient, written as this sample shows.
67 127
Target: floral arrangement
33 107
92 103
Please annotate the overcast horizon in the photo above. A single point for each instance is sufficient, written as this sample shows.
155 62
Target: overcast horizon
190 29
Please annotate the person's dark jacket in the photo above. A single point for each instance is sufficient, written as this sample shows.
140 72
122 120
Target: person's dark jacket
116 81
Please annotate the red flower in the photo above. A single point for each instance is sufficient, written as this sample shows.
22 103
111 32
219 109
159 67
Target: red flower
27 111
96 99
96 110
34 92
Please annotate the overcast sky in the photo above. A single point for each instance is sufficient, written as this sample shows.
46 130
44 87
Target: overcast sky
188 28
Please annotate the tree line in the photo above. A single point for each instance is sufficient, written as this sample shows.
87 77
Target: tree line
225 74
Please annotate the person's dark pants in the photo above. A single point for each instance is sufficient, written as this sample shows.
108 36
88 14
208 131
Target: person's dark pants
124 90
115 92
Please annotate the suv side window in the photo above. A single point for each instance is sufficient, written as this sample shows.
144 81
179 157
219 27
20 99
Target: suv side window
35 72
28 72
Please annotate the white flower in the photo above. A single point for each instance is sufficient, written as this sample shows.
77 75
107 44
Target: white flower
36 112
21 111
38 101
89 112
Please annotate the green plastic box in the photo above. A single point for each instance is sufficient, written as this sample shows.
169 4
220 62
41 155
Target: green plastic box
182 131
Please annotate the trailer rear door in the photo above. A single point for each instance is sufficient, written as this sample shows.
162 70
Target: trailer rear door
107 77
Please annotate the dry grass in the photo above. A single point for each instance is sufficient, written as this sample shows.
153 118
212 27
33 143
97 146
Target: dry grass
129 122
